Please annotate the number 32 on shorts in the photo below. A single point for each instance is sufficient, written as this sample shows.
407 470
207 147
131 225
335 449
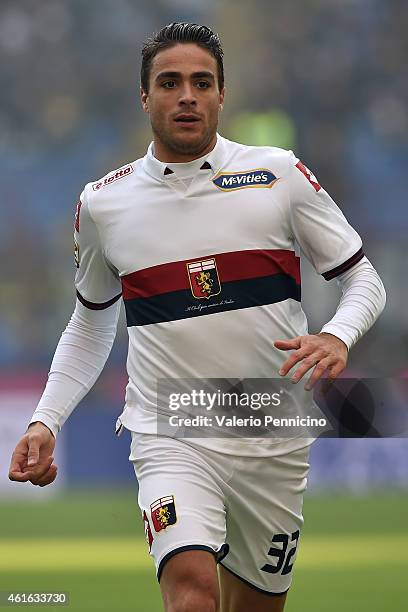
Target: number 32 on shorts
284 556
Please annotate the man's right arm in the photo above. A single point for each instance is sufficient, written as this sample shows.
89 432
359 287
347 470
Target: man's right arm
86 342
80 355
78 361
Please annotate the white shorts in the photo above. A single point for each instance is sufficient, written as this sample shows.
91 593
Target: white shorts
245 510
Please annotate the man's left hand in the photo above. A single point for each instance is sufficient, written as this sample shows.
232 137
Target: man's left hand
321 351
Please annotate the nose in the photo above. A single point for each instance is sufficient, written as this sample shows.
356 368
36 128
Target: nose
187 95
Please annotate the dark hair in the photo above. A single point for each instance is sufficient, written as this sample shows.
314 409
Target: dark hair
175 33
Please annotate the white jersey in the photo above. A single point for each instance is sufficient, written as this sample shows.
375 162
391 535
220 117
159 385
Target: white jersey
206 263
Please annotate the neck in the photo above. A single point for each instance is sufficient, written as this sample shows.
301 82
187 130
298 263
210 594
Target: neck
164 154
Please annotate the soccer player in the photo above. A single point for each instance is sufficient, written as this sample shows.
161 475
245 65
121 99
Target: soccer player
198 238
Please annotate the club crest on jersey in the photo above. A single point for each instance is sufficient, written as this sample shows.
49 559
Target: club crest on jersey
204 279
114 176
163 512
230 181
309 175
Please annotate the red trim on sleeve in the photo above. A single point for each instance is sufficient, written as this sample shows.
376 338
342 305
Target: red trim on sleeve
309 175
344 266
96 306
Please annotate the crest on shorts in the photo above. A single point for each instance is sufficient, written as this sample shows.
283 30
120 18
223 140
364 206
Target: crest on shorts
204 279
163 512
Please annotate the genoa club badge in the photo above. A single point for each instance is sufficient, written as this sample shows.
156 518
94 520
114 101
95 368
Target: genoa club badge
204 279
163 512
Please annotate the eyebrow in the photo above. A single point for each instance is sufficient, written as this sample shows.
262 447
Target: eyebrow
195 75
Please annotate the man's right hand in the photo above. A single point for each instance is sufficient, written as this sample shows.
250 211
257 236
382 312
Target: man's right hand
32 459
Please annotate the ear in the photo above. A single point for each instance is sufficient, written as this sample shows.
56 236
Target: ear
222 94
144 99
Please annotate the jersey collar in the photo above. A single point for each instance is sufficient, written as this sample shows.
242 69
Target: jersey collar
159 170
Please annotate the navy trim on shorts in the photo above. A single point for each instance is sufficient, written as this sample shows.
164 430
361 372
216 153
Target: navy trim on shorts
219 555
252 585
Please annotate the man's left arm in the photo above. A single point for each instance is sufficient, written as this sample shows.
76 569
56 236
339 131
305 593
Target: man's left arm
361 303
335 250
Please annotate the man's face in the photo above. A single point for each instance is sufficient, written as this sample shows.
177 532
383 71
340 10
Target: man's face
184 100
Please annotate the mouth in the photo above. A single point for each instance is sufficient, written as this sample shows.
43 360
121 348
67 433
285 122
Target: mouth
187 119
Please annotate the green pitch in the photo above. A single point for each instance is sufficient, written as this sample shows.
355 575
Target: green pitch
354 553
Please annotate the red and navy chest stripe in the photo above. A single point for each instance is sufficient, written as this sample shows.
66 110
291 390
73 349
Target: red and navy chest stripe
246 279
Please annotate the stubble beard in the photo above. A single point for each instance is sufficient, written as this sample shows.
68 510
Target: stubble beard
180 146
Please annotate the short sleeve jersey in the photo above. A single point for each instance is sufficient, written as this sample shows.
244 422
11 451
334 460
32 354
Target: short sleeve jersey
209 274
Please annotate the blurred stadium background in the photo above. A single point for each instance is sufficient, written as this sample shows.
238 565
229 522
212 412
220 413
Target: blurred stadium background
327 79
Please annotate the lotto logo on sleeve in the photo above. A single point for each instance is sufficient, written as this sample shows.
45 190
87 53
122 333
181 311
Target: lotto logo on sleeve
309 175
163 512
115 176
